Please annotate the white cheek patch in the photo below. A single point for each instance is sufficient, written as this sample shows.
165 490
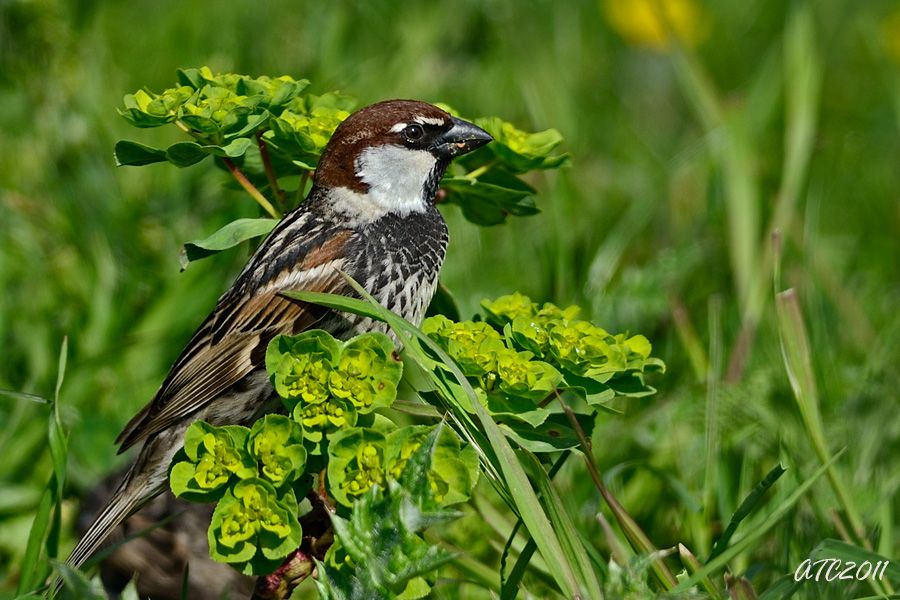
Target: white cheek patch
396 177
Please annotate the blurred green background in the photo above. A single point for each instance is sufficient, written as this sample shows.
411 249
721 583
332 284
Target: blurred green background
685 157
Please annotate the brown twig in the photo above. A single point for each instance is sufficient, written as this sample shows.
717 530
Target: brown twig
270 171
250 188
636 536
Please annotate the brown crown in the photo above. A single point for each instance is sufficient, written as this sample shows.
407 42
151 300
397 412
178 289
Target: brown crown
367 127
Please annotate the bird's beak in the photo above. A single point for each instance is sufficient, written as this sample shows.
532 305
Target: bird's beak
463 137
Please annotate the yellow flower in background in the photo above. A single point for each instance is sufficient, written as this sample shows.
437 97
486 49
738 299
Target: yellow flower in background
890 33
649 23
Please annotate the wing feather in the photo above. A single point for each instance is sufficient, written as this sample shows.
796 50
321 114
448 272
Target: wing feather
231 342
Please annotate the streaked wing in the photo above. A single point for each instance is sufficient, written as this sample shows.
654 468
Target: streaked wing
232 341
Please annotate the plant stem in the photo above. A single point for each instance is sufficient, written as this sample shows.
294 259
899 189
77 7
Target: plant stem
250 188
636 536
476 173
267 166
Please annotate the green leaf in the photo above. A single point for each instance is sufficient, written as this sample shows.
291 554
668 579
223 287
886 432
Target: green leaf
491 198
185 154
453 471
45 528
747 506
190 77
551 435
754 535
443 303
228 236
852 553
562 522
128 153
77 584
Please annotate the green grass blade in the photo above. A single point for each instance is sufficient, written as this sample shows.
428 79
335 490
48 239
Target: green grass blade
509 585
47 524
76 584
797 357
23 396
746 507
693 565
564 526
748 540
32 569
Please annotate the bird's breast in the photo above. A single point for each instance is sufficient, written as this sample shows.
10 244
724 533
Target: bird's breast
401 262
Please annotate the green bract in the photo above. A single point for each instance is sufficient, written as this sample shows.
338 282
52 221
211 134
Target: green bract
521 376
253 529
214 456
520 151
276 442
355 463
367 373
474 346
506 308
319 421
299 366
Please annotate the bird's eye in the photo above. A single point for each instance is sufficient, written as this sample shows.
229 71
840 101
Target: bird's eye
413 132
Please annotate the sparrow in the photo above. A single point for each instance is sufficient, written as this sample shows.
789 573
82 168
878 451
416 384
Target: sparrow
370 214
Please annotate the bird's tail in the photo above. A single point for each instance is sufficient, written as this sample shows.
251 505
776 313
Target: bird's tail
123 502
119 507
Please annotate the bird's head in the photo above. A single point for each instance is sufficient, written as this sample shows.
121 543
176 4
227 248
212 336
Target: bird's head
389 157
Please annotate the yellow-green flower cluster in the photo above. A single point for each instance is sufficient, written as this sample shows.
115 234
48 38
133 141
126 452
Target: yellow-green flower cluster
311 132
253 527
276 443
520 151
215 457
327 416
217 463
355 463
253 474
304 378
305 126
475 346
214 106
557 336
327 384
484 355
212 457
